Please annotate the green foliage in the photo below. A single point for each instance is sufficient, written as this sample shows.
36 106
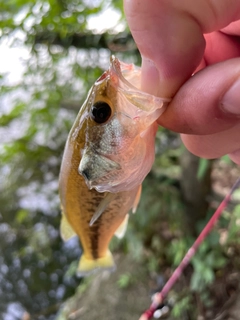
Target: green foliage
16 112
85 283
203 167
125 280
236 197
226 159
63 17
209 258
177 250
212 257
21 216
181 306
233 231
72 269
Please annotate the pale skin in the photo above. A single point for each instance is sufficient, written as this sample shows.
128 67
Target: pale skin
177 38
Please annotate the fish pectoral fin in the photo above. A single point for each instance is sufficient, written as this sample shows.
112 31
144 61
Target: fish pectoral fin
66 230
120 232
102 206
89 266
137 199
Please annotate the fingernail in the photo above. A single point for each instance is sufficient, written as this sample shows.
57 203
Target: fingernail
150 77
230 102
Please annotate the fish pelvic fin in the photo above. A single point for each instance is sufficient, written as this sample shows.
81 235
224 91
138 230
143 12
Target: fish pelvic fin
66 231
137 199
121 230
87 266
102 206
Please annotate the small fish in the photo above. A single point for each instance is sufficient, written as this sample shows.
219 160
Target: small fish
109 151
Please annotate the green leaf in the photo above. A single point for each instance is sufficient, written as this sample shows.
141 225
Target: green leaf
21 216
16 112
124 280
202 168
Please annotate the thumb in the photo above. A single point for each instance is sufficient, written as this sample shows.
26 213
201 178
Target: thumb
169 35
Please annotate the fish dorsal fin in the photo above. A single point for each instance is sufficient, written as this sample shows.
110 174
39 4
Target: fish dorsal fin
102 206
66 230
120 232
137 199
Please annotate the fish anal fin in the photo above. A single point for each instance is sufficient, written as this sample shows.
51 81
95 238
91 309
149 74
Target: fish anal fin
66 231
120 232
137 199
88 266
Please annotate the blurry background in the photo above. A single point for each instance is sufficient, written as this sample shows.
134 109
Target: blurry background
51 52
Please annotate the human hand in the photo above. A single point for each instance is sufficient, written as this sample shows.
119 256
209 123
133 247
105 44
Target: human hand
177 38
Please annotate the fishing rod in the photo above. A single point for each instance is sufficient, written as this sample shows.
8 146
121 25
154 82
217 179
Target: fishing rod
160 296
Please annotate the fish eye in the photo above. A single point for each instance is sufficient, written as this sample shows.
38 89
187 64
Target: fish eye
101 112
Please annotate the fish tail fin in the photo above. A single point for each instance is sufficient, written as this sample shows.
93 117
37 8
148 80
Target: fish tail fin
89 266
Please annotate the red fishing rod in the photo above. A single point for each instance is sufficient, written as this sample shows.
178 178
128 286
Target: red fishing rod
160 296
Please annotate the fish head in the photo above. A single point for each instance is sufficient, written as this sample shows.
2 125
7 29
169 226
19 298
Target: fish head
119 130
